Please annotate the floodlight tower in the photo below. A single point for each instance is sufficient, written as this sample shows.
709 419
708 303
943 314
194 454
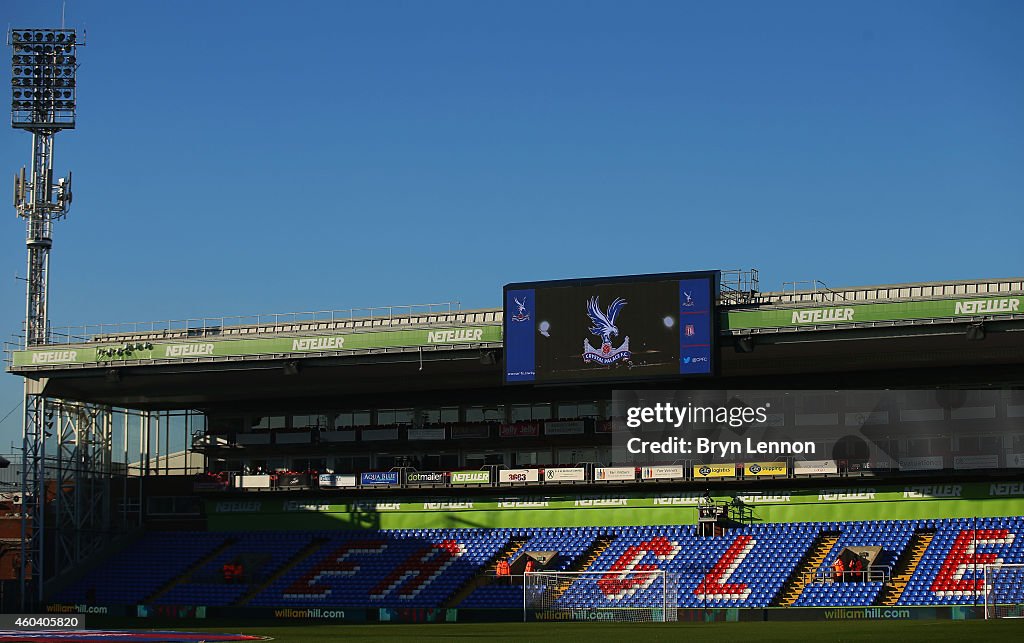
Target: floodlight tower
43 73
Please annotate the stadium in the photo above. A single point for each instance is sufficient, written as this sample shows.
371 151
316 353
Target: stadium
681 452
379 465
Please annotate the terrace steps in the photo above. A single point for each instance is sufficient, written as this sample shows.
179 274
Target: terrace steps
186 576
906 567
805 571
311 548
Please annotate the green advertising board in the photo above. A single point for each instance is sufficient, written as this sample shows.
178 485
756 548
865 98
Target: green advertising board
963 500
862 313
471 477
78 354
762 318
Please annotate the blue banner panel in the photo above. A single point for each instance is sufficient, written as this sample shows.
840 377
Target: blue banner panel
520 323
378 477
696 326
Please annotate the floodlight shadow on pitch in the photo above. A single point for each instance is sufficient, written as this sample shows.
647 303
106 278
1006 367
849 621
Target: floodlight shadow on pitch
975 332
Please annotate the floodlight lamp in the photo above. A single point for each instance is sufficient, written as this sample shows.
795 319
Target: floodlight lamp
744 344
976 332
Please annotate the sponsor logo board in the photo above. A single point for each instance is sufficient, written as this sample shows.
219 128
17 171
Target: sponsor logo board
662 472
766 468
823 316
432 433
318 344
933 491
425 477
815 467
976 461
519 475
228 507
337 480
455 336
374 506
988 306
601 501
524 503
714 470
188 350
921 463
471 477
843 495
379 478
563 427
565 475
519 430
615 473
53 357
448 505
1002 489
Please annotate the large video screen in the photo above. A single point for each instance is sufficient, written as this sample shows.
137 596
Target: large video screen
610 329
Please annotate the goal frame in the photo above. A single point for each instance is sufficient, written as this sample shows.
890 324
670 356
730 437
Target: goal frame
990 603
669 612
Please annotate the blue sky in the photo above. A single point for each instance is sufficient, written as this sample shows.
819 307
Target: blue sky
243 157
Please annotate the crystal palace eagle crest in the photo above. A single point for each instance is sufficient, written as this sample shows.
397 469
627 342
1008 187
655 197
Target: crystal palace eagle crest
604 327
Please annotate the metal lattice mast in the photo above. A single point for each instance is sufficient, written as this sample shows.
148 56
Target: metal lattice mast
43 88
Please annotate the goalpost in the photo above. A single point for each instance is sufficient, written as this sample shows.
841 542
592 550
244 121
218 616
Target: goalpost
631 596
1004 590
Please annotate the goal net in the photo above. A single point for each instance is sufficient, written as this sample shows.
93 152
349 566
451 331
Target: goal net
632 596
1004 590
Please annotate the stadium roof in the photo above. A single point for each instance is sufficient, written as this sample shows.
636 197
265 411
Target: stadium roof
193 363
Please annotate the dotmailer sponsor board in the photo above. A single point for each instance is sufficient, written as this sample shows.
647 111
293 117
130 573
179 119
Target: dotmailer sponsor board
425 477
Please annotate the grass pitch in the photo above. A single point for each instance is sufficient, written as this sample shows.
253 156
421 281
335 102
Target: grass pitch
1003 631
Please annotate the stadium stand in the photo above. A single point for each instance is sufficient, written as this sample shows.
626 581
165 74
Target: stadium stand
749 566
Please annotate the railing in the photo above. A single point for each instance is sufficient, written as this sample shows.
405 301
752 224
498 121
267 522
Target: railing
218 326
407 477
873 573
738 287
816 290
